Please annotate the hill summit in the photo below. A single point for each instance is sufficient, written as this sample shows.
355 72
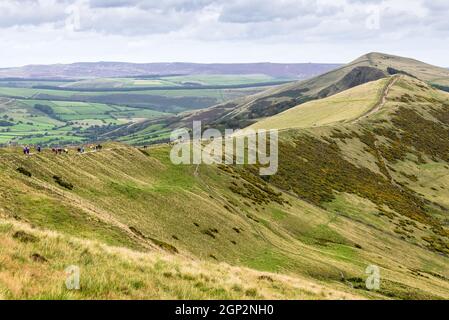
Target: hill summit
245 111
369 67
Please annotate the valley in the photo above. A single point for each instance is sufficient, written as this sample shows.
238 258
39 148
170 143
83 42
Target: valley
366 188
55 112
248 110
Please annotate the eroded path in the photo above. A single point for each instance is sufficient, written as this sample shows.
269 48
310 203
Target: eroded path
382 100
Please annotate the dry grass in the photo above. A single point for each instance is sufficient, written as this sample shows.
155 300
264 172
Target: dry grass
148 275
345 106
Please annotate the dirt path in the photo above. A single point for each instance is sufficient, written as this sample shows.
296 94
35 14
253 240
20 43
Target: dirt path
383 99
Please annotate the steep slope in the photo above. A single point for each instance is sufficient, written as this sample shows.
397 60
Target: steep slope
395 156
245 111
42 256
345 106
370 67
371 191
412 67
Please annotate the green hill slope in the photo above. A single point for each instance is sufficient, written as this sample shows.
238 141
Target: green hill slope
370 67
345 106
42 257
347 195
242 112
385 156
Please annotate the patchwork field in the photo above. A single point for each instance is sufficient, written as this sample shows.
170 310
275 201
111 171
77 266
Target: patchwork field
59 122
66 112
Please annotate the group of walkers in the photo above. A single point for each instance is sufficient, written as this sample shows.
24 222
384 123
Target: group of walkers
27 149
57 150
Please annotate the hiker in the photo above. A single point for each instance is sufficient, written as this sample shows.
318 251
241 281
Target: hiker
38 149
25 152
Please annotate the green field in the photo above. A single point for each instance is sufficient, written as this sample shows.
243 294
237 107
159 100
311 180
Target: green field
170 81
62 121
51 114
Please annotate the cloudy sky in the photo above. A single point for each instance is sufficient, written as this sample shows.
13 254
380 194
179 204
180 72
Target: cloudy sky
64 31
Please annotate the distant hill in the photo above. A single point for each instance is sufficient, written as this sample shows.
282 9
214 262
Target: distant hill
241 112
123 69
370 67
339 108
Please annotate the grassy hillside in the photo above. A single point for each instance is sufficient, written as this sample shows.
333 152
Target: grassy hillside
366 192
380 157
345 106
144 110
312 252
242 112
370 67
412 67
42 257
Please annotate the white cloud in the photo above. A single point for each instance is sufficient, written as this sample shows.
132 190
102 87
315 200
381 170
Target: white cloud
30 12
131 21
213 30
